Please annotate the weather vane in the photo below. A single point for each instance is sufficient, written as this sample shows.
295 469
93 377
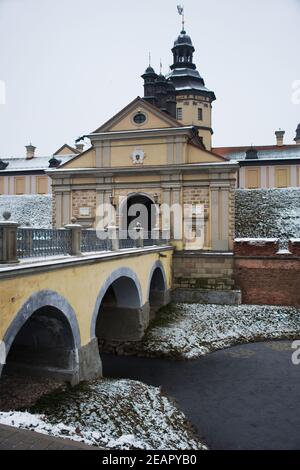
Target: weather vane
180 9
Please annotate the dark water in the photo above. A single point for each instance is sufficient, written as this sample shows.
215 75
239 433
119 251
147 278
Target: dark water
246 397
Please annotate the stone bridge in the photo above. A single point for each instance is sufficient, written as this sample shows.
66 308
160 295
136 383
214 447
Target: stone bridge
54 312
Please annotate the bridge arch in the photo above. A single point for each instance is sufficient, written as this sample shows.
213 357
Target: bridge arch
44 338
158 293
119 314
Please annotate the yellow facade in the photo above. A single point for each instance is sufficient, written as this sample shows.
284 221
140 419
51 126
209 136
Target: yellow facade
174 168
269 176
193 108
79 285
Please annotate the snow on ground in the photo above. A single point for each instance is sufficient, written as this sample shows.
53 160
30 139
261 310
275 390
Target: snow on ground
267 213
187 331
117 414
28 210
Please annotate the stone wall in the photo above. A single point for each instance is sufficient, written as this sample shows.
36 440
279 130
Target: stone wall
267 275
196 270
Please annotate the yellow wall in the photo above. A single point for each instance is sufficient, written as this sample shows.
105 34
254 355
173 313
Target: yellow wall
86 160
79 285
42 185
155 152
190 106
196 155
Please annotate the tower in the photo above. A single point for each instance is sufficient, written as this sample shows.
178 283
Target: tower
194 100
149 85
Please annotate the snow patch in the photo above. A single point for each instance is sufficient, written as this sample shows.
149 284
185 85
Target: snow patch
28 210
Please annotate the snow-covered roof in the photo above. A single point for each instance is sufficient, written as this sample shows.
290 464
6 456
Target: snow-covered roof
32 164
271 152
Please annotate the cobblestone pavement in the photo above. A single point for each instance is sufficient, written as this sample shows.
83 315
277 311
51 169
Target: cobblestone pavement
20 439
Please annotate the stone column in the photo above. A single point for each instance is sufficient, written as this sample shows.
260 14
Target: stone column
76 237
8 240
139 236
113 236
66 198
58 209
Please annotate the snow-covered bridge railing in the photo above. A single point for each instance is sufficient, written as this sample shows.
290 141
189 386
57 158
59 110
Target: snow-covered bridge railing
22 243
35 243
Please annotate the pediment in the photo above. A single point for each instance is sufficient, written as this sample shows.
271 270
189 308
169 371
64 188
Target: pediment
127 118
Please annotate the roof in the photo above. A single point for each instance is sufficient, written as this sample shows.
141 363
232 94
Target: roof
264 152
33 164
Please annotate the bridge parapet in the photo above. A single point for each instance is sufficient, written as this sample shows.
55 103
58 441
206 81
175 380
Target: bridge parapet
18 243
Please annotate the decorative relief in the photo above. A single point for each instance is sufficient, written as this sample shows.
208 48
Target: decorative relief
138 157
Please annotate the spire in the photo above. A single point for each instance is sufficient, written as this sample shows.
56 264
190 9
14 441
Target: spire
180 9
183 47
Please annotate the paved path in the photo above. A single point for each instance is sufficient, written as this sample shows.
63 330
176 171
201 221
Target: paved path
19 439
246 397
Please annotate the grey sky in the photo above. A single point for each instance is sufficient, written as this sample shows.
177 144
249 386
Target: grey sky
69 65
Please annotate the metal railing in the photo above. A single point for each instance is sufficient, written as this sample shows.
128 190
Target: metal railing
92 240
39 242
125 240
73 240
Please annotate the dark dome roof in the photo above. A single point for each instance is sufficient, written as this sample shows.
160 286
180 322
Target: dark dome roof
161 78
149 70
183 38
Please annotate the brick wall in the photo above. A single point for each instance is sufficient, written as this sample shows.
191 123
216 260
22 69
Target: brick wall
203 270
84 198
197 196
266 275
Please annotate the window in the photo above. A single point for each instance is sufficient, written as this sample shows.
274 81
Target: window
1 185
179 114
252 178
139 118
282 177
200 114
42 185
19 185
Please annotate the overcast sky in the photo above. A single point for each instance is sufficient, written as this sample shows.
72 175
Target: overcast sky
69 65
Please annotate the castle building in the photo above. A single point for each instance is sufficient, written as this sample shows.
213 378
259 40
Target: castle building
267 166
156 151
27 174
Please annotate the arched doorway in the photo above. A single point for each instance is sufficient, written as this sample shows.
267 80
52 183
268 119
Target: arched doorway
138 208
44 346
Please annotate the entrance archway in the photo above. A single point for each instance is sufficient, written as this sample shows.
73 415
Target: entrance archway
138 208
